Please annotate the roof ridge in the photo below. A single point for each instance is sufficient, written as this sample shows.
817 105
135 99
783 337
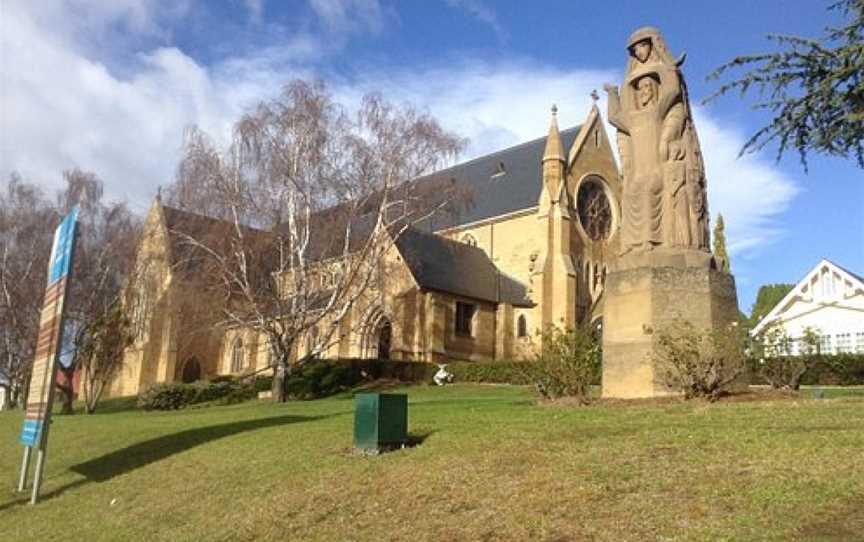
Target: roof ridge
845 270
502 151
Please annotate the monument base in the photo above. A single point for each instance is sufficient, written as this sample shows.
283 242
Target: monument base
647 292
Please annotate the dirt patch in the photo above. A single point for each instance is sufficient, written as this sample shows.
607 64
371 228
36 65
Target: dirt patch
843 522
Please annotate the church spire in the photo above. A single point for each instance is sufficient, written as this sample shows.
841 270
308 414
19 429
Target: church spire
554 147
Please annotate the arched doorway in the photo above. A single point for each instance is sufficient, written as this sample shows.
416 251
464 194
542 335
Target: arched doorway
377 337
385 334
191 371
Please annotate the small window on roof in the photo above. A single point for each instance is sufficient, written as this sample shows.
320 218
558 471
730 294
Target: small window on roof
500 170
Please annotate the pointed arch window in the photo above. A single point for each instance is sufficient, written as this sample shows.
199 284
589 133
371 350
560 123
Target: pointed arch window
238 356
469 240
521 326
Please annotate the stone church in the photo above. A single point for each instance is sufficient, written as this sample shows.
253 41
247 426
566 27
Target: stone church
531 248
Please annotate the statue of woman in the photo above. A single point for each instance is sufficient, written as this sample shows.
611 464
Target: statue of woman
664 181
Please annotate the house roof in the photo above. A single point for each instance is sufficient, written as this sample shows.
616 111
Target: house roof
496 184
796 291
441 264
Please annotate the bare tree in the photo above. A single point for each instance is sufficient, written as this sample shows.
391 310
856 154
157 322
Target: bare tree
313 197
104 252
99 357
27 220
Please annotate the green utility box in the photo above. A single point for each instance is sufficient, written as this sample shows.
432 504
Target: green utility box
380 421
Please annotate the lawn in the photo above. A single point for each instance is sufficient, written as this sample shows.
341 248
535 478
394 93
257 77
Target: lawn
492 466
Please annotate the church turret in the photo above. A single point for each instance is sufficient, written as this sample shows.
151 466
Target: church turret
553 163
555 287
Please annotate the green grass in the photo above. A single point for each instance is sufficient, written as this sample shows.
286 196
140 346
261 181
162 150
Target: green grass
493 466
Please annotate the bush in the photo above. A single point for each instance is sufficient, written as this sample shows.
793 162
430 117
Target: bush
835 369
700 363
263 383
781 372
173 396
566 365
771 363
491 372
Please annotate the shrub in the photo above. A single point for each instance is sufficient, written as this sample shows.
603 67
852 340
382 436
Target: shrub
700 363
566 365
781 372
771 362
490 372
173 396
835 369
263 383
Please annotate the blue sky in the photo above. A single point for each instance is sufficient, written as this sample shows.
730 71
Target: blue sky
110 86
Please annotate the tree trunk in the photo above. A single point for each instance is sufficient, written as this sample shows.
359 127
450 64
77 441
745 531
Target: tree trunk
67 390
278 387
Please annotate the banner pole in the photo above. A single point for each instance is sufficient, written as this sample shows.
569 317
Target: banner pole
37 476
25 469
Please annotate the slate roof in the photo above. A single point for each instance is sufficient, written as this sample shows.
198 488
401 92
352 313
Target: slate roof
209 230
855 275
492 185
489 195
441 264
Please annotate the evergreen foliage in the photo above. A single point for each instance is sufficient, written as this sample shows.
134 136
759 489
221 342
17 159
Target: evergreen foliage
813 87
766 299
720 253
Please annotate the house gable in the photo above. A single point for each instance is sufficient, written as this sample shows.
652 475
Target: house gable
826 285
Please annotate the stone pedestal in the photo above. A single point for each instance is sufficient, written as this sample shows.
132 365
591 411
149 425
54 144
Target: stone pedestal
646 292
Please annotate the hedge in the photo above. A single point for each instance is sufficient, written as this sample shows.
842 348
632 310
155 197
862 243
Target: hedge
490 372
176 395
321 378
826 370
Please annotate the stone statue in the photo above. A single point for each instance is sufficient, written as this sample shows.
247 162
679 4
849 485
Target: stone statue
664 200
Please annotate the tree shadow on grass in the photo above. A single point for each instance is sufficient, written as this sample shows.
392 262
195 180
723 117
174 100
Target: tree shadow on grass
144 453
150 451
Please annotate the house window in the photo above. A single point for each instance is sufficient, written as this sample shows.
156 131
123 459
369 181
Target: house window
844 343
464 318
469 240
238 356
794 349
825 344
859 342
521 326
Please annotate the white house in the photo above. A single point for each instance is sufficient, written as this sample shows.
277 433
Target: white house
830 301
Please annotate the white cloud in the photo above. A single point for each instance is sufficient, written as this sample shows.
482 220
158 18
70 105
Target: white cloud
346 16
255 8
750 192
61 107
482 12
